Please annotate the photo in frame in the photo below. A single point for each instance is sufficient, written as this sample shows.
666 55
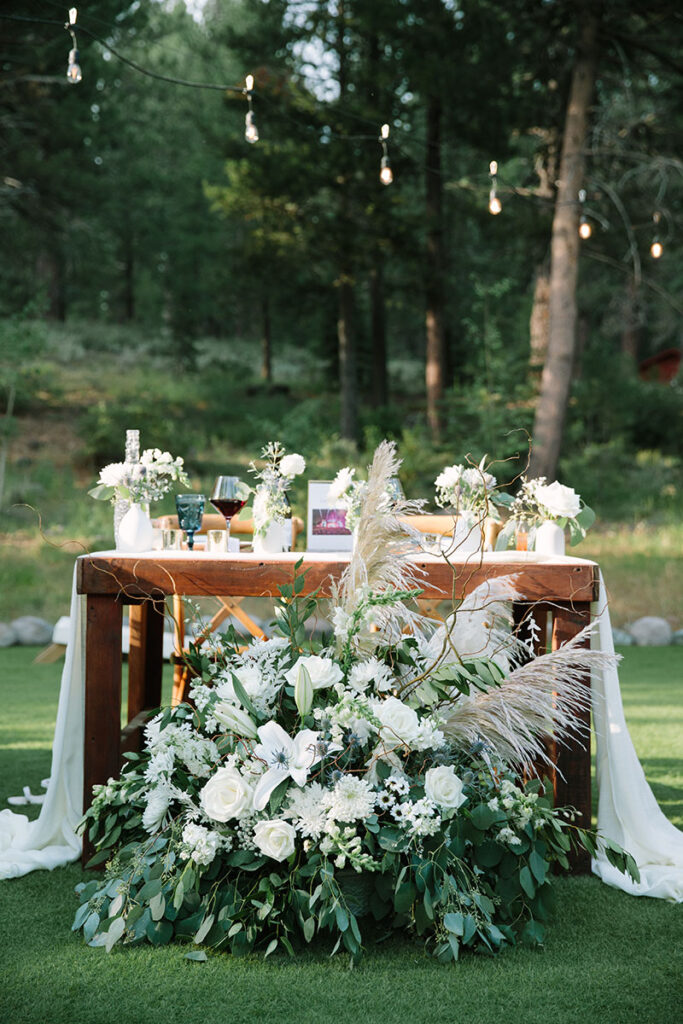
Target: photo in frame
327 530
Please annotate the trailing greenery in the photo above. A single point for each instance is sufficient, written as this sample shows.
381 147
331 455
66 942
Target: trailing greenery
595 962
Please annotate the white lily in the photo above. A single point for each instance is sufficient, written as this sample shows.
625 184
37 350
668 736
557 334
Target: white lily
285 758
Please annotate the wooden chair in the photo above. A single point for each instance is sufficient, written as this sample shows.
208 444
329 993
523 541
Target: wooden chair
229 606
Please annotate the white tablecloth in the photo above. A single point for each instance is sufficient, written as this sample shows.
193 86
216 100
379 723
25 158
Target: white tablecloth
627 810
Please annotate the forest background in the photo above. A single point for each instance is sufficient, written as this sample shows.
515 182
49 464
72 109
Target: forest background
158 271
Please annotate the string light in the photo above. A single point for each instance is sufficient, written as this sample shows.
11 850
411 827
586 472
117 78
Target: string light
495 205
73 71
656 249
585 226
250 129
386 175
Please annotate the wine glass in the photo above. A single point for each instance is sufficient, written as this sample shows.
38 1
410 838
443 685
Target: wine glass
228 496
190 509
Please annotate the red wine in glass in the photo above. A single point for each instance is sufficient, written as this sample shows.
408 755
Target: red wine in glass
228 496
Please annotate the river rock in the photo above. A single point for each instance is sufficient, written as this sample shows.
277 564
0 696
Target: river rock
622 638
651 631
31 630
8 636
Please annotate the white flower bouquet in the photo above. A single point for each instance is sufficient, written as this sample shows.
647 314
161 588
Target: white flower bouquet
469 490
309 786
538 502
274 480
144 481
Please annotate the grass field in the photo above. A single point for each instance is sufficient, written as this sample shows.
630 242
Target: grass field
609 958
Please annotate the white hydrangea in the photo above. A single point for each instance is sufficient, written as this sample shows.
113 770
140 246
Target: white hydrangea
202 844
506 835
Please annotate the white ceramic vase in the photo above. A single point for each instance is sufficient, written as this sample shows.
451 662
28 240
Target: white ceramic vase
467 535
276 539
549 539
136 532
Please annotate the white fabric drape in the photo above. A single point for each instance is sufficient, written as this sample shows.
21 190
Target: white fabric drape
50 841
627 810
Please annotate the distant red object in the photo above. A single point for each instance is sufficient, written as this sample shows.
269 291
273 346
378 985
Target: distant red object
662 367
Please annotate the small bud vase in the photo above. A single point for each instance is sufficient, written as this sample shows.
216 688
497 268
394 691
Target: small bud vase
136 532
549 539
467 535
276 538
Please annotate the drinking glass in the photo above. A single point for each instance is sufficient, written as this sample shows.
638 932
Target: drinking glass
190 508
228 496
217 540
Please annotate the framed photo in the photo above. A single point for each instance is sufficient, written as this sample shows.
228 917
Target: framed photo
327 529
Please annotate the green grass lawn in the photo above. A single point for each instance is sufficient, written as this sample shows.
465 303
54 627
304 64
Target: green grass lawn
608 958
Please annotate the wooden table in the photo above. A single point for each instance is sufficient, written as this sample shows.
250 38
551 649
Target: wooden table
560 590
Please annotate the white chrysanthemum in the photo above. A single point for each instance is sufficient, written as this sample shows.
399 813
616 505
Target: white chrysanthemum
340 484
478 479
158 800
372 671
160 764
350 800
307 809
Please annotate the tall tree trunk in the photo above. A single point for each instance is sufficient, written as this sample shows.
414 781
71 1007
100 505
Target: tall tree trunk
380 390
266 349
630 332
50 271
564 258
435 370
347 359
128 280
4 443
346 344
539 321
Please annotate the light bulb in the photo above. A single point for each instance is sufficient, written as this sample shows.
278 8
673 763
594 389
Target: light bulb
386 175
585 229
250 129
249 82
73 71
656 250
73 14
495 205
384 134
493 167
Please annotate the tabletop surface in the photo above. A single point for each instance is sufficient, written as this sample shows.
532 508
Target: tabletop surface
154 573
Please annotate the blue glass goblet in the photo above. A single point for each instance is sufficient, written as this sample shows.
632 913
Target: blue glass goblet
190 509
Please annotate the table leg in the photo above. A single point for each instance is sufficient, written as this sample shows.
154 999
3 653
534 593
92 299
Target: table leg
573 786
101 749
145 664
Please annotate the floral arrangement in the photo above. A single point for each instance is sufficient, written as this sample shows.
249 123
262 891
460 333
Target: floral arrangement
311 791
274 480
538 502
144 481
350 493
470 490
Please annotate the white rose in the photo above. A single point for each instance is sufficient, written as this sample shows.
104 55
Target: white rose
444 787
398 719
275 838
449 477
323 671
113 474
226 795
559 500
292 465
